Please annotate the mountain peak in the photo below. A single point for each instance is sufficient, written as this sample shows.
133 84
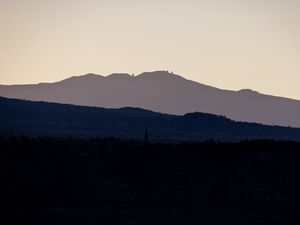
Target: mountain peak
159 74
119 75
91 74
86 77
248 91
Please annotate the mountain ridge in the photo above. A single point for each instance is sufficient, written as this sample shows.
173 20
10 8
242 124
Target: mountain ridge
161 91
30 118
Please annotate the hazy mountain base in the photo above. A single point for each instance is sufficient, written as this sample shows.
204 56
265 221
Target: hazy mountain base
109 181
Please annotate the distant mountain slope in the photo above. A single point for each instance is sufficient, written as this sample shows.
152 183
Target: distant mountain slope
162 92
19 117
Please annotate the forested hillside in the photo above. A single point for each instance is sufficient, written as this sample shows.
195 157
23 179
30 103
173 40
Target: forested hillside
18 117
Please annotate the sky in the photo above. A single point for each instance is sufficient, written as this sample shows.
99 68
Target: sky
232 44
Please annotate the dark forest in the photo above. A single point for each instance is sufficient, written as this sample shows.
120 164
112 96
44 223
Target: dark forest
111 181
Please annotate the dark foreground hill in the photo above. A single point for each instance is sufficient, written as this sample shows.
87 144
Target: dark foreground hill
87 182
18 117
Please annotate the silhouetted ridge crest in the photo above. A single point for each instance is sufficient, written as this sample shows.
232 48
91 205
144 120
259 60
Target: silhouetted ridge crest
89 76
248 91
198 119
164 92
136 109
162 74
119 75
207 116
19 117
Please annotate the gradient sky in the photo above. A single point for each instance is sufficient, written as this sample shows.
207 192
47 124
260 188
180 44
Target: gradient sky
230 44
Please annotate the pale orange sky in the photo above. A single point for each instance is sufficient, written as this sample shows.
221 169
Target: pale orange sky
230 44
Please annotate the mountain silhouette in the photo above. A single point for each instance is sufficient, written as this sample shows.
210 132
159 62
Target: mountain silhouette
164 92
20 117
